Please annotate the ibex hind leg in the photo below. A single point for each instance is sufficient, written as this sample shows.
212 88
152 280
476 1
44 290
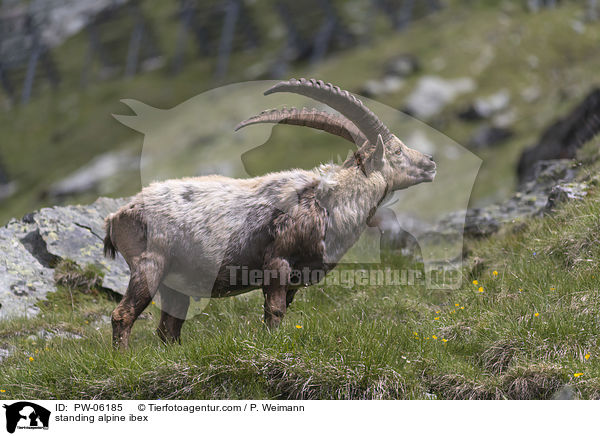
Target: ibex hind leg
174 307
146 274
276 292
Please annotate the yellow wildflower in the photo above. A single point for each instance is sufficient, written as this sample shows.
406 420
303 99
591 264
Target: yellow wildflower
2 390
475 282
536 314
30 359
298 326
453 311
415 333
456 304
444 340
520 290
553 289
578 374
495 273
587 356
480 289
153 302
436 318
437 311
434 336
462 307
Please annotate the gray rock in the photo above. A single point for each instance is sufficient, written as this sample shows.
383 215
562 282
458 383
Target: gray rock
531 94
50 334
90 176
387 85
553 184
433 93
505 119
32 246
483 108
402 66
23 280
564 137
488 136
61 19
77 233
533 199
568 191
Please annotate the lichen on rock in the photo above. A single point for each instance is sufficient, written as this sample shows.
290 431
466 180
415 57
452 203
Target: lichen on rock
34 245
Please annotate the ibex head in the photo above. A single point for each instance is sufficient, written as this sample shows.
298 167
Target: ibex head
379 151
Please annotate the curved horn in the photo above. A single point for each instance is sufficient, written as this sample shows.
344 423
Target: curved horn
312 118
340 100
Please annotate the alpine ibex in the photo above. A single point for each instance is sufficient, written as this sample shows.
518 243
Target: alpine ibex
184 237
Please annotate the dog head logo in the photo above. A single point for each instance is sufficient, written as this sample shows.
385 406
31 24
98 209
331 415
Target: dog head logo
26 415
197 137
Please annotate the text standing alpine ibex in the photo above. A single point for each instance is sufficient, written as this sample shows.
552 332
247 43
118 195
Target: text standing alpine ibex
183 237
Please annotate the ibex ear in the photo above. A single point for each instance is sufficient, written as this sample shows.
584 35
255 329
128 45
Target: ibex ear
374 162
145 116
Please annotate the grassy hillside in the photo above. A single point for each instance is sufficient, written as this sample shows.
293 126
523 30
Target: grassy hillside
523 325
500 48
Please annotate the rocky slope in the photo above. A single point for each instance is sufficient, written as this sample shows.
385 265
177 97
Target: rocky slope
33 245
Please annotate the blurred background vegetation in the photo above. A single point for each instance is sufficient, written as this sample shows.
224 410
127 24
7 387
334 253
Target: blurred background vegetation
491 75
495 76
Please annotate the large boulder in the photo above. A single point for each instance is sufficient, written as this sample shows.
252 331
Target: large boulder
562 139
33 245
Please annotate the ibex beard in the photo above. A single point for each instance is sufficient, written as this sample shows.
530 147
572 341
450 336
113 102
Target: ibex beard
182 237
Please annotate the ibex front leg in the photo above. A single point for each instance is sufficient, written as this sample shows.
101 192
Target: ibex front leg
275 291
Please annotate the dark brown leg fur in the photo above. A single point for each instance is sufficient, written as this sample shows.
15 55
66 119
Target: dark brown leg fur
174 307
290 297
146 274
276 293
274 305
